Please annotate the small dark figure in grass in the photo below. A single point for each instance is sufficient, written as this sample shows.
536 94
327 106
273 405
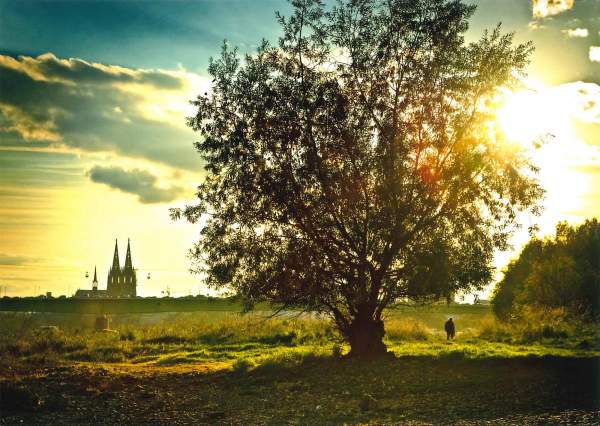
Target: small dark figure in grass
450 329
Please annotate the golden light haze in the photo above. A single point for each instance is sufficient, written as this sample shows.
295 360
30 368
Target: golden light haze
94 144
542 121
62 232
77 231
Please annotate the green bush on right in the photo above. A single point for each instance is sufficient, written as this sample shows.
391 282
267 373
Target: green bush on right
562 272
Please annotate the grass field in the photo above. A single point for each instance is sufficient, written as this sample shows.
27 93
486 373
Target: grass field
224 368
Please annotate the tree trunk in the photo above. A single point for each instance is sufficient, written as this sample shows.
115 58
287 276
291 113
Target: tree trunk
365 336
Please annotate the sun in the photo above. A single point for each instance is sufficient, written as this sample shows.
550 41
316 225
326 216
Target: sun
533 114
539 119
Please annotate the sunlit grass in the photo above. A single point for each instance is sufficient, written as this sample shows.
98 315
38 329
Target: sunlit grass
252 366
246 342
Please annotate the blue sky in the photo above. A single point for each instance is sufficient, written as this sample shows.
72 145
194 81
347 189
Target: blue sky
165 34
139 34
94 146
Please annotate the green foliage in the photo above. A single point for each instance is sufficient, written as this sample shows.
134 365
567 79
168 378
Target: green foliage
352 165
559 272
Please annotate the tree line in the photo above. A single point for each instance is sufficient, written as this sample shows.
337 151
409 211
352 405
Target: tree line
558 272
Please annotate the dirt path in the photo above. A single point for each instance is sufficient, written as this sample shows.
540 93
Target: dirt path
403 391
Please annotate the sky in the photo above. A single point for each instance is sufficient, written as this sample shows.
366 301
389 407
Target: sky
94 144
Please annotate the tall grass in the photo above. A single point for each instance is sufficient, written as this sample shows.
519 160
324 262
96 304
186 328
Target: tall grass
408 329
134 340
539 326
247 341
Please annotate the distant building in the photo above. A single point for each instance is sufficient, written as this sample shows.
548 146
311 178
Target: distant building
94 293
121 282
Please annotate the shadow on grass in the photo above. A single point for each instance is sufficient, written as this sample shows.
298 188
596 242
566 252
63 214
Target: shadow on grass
309 388
437 389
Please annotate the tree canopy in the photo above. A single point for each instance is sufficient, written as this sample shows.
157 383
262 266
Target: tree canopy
559 272
355 164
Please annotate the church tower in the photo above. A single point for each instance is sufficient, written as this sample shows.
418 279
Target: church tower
113 285
95 282
129 275
122 282
128 265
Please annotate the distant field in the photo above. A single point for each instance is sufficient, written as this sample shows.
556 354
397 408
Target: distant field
117 306
221 367
227 336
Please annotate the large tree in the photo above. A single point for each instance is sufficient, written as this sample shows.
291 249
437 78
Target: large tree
354 164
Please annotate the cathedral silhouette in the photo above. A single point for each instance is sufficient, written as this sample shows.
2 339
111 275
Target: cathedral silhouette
121 282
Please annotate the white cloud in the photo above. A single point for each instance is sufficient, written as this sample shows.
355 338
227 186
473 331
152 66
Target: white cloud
73 71
545 8
72 104
595 53
576 32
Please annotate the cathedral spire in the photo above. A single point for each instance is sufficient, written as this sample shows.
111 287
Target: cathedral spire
115 265
128 264
95 282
